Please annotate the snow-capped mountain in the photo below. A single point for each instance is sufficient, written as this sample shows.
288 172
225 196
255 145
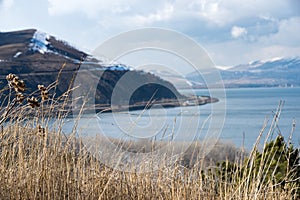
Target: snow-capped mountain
277 64
37 58
34 44
261 73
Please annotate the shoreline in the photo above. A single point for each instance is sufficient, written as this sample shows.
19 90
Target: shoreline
165 103
108 108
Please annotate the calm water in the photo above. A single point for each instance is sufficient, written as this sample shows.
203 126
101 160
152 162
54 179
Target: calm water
246 110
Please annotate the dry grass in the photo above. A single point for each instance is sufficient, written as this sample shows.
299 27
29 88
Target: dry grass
39 162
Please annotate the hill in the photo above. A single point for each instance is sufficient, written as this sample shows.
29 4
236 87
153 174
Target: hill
37 58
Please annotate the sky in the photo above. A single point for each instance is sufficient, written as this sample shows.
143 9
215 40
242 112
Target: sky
231 31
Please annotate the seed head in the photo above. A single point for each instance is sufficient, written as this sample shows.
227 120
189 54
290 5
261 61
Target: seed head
15 82
10 77
19 85
41 130
44 92
33 102
20 97
44 95
41 87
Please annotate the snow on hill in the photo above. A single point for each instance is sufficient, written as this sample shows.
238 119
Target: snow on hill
118 67
39 42
261 73
270 64
37 57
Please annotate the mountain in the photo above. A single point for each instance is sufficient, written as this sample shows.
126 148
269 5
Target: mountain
176 79
275 72
37 58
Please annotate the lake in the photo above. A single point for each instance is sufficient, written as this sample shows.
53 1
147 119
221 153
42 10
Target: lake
247 108
246 111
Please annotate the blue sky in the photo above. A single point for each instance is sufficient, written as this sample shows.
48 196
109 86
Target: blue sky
232 31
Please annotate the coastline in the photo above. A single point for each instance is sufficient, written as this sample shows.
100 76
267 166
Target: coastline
165 103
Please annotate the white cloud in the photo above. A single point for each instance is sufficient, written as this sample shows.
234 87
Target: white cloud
225 12
93 9
262 25
287 35
102 8
284 43
237 31
160 15
88 7
212 12
6 4
120 8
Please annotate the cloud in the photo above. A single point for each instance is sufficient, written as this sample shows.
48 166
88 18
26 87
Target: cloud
6 4
284 42
148 19
97 9
66 7
237 31
254 26
215 12
182 15
227 12
287 34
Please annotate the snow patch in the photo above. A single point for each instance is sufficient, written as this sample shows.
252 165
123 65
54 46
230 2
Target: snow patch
260 62
223 67
39 42
17 54
118 67
254 64
272 59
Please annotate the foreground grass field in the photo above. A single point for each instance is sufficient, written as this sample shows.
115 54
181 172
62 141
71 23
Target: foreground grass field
38 161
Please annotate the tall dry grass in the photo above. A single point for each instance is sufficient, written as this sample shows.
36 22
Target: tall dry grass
40 162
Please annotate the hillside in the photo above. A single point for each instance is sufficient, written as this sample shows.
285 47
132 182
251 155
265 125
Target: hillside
37 58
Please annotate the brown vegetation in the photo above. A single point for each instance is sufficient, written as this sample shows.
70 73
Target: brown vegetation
39 162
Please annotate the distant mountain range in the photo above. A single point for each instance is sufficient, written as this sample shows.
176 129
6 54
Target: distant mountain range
37 58
276 72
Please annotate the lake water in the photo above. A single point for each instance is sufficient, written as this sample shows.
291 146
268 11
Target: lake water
246 111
